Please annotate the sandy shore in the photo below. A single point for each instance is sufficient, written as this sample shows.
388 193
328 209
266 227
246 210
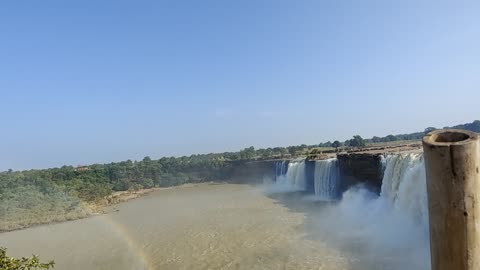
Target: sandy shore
101 206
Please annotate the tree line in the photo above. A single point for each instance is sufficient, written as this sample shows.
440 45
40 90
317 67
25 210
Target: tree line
357 140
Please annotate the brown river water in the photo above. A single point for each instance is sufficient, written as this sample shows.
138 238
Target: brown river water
208 226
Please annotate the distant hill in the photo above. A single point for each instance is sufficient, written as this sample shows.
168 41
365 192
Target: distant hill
474 126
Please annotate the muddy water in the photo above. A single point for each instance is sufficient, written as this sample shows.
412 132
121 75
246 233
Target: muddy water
208 226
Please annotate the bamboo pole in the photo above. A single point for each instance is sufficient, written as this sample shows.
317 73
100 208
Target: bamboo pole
452 162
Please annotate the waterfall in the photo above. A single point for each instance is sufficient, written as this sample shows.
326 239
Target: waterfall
280 168
404 186
392 223
292 176
326 179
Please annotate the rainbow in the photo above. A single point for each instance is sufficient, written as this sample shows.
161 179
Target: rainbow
132 245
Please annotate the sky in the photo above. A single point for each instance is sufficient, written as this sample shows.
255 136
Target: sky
88 81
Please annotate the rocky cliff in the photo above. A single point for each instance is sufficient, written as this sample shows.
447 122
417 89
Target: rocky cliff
363 168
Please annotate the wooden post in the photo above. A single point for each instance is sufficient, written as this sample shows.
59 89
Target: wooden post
452 162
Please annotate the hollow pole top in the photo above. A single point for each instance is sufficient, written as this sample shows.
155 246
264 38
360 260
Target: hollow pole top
448 137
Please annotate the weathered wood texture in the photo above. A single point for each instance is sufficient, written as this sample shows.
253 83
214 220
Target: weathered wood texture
453 186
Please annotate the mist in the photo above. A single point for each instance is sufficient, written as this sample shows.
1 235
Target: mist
368 228
375 231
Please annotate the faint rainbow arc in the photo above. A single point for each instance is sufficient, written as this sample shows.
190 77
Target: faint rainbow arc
132 245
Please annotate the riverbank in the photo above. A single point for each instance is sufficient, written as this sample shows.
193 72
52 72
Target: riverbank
49 215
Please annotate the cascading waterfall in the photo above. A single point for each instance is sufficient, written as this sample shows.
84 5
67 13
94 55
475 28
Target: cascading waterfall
280 168
396 222
326 179
392 223
404 186
294 176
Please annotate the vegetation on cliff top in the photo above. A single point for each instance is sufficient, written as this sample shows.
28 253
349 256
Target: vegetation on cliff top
474 126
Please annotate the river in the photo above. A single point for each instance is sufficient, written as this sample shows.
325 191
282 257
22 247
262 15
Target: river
202 227
206 226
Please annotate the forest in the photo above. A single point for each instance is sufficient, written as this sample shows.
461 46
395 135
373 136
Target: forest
58 194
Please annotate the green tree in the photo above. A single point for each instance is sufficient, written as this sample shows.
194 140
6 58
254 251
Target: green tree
25 263
391 138
376 139
357 141
247 153
147 183
336 144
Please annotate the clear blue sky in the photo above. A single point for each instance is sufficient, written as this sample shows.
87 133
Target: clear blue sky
100 81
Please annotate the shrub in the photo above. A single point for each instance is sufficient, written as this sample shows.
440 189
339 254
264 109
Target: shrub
25 263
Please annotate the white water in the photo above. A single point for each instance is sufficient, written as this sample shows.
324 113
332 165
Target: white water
404 186
294 178
388 231
393 226
280 168
326 179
